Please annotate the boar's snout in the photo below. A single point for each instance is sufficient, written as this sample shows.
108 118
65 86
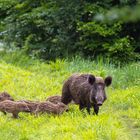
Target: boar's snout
99 100
99 103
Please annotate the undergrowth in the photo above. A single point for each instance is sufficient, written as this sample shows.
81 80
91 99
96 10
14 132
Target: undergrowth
25 78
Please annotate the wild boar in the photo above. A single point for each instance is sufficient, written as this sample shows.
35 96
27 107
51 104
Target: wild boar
51 108
86 90
13 107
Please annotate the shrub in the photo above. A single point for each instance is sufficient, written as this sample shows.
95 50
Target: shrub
56 29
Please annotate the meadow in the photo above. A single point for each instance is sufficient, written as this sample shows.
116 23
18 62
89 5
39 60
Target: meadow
26 78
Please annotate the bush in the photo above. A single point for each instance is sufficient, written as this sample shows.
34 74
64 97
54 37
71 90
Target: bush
56 29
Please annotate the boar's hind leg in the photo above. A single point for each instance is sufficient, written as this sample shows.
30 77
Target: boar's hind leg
66 96
81 105
96 109
88 108
66 99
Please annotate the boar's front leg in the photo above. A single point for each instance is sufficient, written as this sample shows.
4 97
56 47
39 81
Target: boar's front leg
88 108
81 106
96 109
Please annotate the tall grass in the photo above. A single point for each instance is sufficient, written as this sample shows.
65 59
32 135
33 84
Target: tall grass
25 78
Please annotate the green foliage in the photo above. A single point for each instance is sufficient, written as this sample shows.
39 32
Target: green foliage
56 28
121 50
25 78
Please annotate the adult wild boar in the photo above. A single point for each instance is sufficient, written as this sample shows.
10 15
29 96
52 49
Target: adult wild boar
86 90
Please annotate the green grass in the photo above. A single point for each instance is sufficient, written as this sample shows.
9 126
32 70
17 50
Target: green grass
24 78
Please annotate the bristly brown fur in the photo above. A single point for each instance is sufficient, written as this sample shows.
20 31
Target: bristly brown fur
54 99
99 80
72 86
51 108
13 107
5 96
32 105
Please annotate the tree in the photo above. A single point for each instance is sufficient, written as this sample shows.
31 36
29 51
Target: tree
58 28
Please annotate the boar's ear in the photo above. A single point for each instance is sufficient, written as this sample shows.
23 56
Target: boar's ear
108 81
91 79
